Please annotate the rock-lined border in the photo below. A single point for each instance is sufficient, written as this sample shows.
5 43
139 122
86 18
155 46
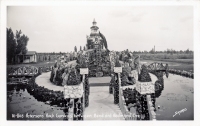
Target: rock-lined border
182 73
122 105
151 108
45 95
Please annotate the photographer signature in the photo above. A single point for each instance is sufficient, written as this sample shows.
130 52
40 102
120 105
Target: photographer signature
179 112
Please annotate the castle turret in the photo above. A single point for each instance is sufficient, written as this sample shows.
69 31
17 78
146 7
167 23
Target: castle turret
97 56
94 29
94 39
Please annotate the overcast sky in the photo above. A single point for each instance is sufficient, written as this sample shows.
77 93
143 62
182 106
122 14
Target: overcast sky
55 29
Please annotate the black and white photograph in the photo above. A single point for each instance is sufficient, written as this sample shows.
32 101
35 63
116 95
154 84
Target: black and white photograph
107 62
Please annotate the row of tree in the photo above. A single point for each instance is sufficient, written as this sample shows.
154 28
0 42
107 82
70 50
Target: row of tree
75 48
16 44
168 51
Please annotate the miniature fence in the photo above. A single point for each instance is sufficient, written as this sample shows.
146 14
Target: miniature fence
28 71
24 71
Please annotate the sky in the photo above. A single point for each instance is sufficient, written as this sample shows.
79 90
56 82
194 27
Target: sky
137 28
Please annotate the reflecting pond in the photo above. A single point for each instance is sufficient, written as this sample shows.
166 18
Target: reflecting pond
23 106
176 97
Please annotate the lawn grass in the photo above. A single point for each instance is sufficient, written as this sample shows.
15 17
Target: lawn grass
187 61
178 64
149 56
179 61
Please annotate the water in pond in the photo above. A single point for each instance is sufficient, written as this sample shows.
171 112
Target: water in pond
176 97
22 106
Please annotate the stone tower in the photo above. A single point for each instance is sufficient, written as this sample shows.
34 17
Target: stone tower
97 55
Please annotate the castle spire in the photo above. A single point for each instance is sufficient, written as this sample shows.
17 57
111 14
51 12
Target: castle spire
94 29
94 22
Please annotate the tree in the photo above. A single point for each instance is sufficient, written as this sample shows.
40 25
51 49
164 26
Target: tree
127 51
187 51
168 51
151 51
22 41
80 48
75 49
11 45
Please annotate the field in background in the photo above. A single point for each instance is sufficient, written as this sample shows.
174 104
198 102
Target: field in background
45 63
166 56
175 61
178 64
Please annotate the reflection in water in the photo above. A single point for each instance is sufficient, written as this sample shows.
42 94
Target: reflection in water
159 83
20 102
159 86
174 94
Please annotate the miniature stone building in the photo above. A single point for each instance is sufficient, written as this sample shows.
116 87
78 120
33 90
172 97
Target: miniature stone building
99 64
